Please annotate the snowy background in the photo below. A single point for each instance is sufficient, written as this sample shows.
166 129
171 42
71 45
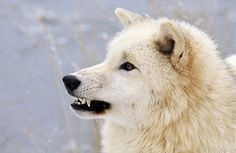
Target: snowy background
42 40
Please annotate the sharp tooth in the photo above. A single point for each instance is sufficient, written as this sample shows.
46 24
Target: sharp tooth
83 101
88 103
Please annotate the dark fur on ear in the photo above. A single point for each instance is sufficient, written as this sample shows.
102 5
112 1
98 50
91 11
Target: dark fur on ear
171 41
166 46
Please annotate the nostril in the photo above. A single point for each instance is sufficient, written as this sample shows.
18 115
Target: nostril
71 82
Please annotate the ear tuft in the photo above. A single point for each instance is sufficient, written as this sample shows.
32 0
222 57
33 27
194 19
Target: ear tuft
126 17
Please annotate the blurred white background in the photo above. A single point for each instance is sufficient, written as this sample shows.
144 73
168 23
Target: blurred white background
42 40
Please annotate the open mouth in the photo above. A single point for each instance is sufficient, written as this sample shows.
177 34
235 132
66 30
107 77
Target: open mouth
95 106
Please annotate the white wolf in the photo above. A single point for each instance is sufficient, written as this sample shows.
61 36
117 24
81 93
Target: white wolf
162 89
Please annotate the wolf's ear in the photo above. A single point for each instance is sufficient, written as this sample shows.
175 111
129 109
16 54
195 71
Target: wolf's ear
127 17
172 42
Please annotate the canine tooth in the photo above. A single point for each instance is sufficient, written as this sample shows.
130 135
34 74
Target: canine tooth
88 103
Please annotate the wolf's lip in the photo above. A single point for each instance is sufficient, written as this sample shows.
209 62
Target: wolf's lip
96 106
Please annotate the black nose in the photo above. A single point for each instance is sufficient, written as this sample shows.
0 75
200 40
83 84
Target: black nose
71 82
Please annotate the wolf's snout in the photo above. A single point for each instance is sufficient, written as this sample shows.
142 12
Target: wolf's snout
71 83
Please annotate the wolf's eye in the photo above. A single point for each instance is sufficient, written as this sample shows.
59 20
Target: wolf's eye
127 66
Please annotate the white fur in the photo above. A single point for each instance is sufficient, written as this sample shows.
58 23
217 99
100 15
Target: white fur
179 103
232 63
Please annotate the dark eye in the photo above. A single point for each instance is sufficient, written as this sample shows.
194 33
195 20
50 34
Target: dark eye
127 66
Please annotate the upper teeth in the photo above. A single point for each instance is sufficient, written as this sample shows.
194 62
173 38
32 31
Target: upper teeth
76 100
83 101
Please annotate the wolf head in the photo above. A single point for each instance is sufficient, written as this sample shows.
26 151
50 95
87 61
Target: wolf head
149 69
